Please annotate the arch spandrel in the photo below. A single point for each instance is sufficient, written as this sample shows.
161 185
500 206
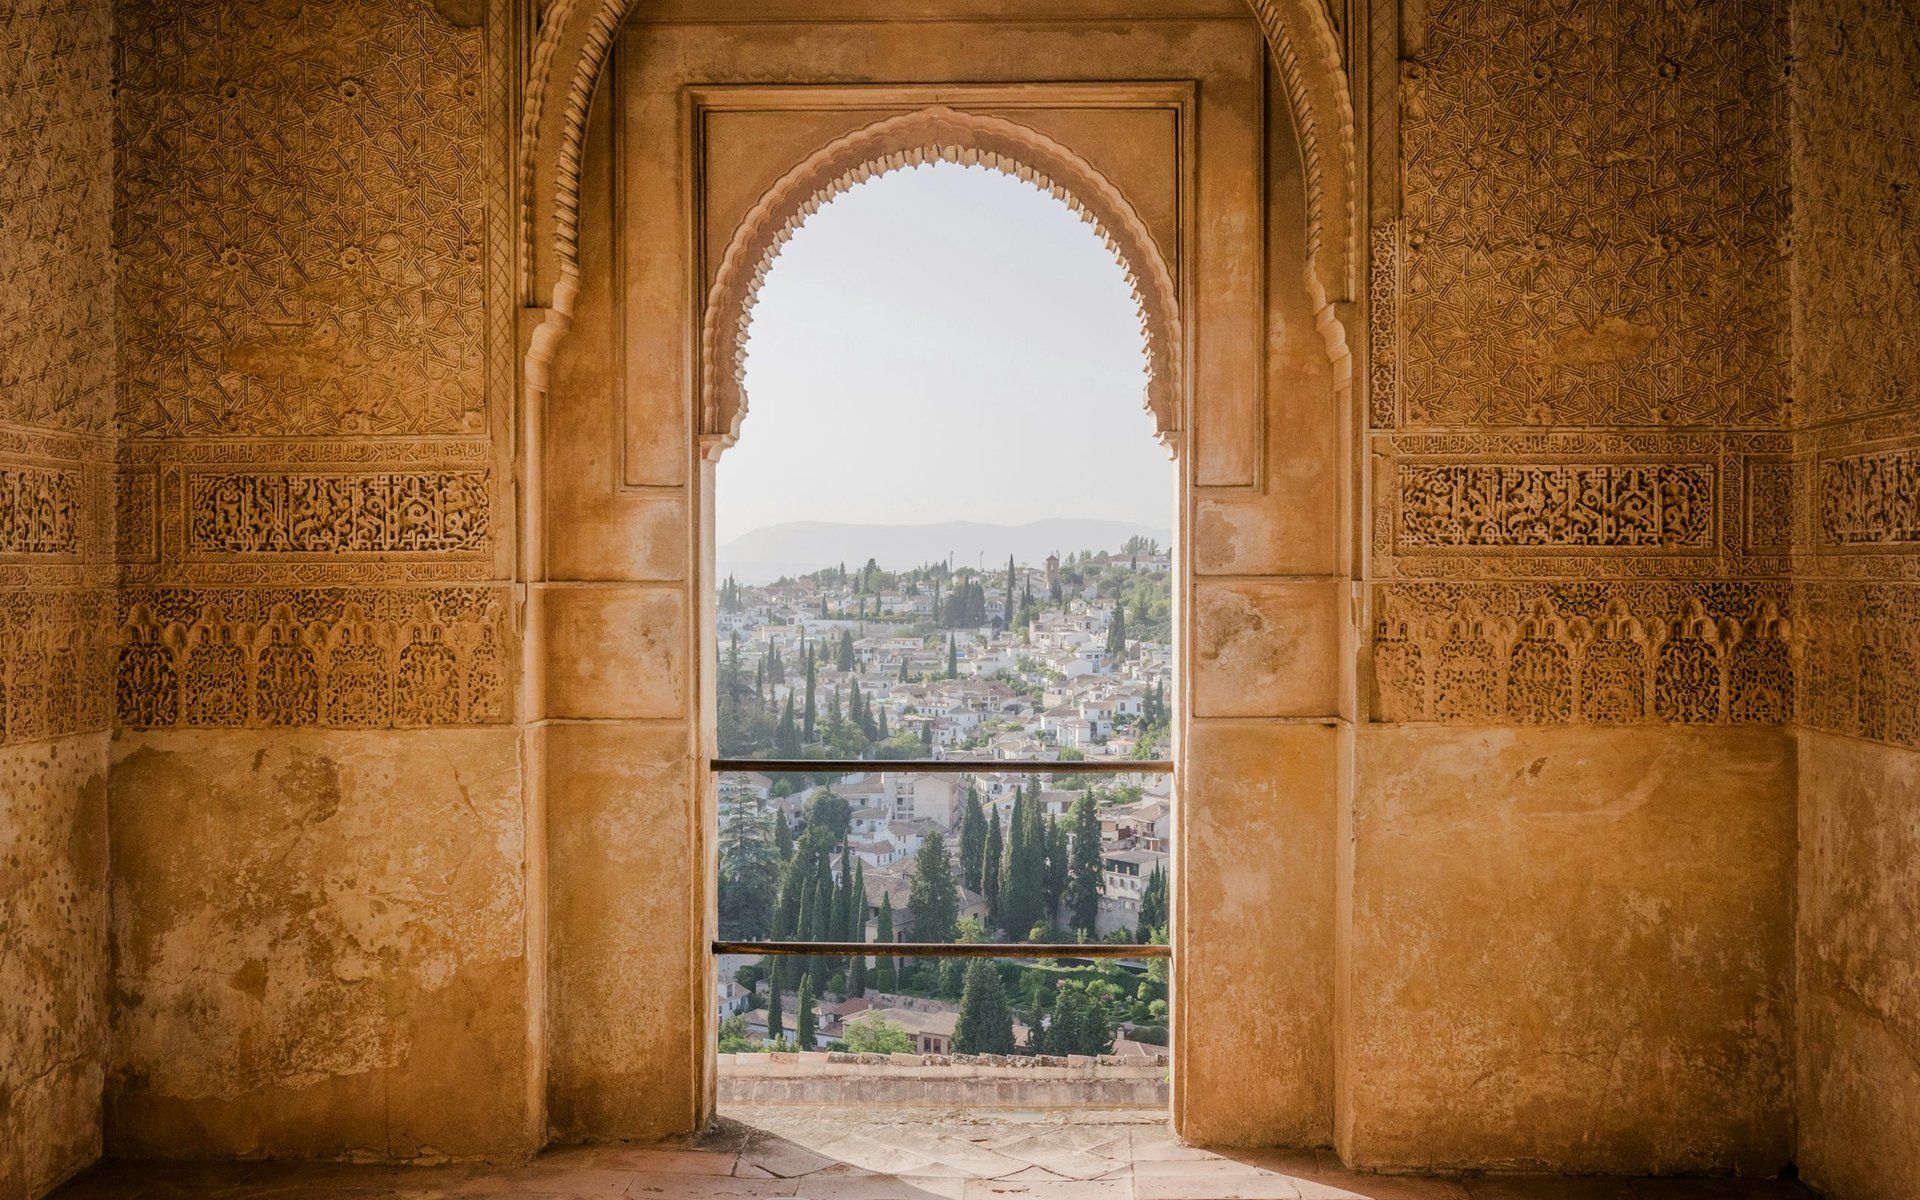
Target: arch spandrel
575 39
934 134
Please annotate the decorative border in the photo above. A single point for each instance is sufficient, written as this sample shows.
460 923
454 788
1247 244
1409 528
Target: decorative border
353 658
1574 654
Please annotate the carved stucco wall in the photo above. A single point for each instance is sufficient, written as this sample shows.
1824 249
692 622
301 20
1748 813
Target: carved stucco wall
318 879
1581 647
56 547
1855 99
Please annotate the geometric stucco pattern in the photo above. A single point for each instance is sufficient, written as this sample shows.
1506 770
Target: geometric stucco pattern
1583 493
1593 215
302 219
56 295
1856 301
54 648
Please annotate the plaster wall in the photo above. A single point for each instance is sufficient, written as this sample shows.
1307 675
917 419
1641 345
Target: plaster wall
318 944
57 504
1571 950
1855 88
319 830
1568 932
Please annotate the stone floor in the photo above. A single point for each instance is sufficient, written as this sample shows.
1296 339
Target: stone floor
853 1154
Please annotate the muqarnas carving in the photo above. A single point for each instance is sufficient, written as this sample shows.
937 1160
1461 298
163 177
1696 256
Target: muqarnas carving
1555 505
39 510
397 512
1861 673
360 658
54 651
1609 654
1871 499
1590 233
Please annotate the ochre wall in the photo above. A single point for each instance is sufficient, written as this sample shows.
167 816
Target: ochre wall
319 834
56 563
1569 939
1855 99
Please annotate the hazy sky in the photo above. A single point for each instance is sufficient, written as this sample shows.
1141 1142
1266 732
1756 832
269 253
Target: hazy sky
944 343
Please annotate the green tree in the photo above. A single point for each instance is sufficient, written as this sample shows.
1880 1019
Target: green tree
1057 867
884 976
749 876
810 713
1153 906
786 735
934 900
953 659
1083 868
990 869
1117 631
776 1026
973 840
733 1035
985 1024
803 1020
845 658
870 1033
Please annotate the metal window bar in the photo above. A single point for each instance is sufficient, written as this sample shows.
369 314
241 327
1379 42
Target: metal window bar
946 766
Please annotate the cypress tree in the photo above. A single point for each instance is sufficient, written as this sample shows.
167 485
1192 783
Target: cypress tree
880 724
953 658
1153 907
785 735
803 1020
990 870
884 977
1057 868
973 839
782 836
808 714
1012 605
1117 631
1010 868
775 1023
933 900
985 1024
846 650
857 930
1083 871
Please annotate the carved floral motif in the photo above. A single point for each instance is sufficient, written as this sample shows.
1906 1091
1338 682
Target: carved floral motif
1592 215
55 648
303 200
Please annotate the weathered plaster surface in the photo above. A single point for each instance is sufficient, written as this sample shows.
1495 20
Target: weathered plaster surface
1256 928
1858 1002
318 945
53 959
627 931
1570 949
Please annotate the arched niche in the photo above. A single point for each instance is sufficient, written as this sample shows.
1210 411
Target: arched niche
936 133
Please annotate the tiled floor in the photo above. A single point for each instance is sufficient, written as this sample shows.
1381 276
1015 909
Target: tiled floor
907 1154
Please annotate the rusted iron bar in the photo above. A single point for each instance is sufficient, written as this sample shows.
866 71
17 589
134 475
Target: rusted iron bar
947 949
943 766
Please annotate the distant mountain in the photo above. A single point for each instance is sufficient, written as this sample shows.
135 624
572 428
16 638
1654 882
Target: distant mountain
797 547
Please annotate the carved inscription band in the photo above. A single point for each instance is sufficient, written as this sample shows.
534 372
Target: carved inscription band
413 512
1615 506
1871 499
39 510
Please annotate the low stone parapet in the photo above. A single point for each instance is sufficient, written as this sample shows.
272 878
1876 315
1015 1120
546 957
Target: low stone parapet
1008 1081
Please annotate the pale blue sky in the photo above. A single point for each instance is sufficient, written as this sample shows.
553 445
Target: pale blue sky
944 343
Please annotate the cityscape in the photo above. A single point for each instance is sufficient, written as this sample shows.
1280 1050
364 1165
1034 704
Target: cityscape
1065 660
